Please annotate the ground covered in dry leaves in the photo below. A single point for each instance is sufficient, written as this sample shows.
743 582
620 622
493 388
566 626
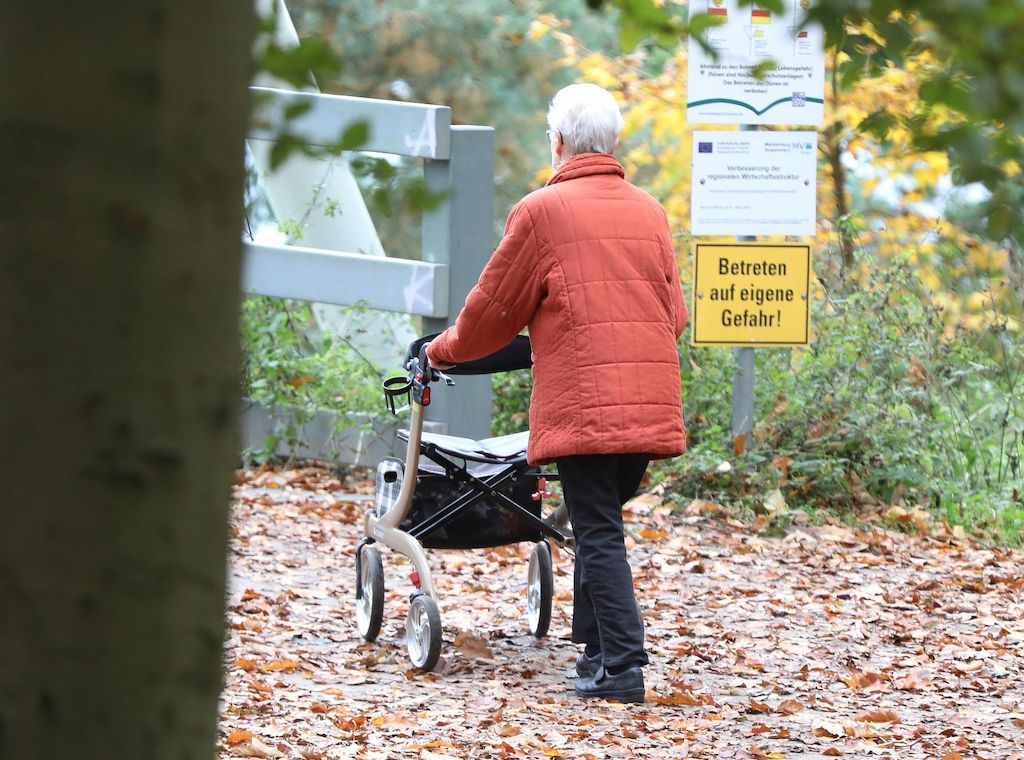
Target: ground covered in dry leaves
827 642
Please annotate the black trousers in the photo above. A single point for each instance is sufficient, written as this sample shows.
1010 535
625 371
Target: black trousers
605 612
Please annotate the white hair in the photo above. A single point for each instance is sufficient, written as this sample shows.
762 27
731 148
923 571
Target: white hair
587 117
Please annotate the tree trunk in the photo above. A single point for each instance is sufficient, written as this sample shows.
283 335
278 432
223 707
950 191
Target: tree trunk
833 140
121 142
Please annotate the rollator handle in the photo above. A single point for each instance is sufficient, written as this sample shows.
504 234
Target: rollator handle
421 375
424 361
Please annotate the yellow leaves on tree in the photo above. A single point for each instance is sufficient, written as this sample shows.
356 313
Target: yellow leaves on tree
899 193
887 183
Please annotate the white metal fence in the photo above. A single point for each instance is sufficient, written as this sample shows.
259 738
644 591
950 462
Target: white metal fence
457 237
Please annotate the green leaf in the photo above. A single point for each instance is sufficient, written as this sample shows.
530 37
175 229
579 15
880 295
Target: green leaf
297 109
420 198
760 71
296 65
631 33
701 22
355 135
646 12
1000 222
771 5
284 146
877 124
383 170
949 91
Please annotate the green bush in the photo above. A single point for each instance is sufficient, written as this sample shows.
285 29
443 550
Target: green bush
885 407
511 407
291 367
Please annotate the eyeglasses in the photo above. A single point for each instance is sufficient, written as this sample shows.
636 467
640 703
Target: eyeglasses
550 132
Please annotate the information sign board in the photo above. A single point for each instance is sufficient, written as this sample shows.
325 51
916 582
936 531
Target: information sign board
723 89
751 294
754 183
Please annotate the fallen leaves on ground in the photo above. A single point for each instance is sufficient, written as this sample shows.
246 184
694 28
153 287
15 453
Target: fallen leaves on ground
828 642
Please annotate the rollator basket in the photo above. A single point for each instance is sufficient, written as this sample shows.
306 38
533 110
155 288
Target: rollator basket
484 522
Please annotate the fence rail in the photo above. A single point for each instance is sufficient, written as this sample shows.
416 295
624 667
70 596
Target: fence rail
457 237
405 129
311 274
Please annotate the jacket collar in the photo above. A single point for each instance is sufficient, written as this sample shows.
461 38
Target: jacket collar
587 164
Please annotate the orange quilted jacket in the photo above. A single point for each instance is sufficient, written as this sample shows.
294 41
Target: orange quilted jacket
587 264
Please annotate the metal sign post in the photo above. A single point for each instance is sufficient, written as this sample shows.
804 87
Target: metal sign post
743 400
743 377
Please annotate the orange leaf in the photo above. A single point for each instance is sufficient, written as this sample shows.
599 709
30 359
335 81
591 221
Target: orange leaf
790 707
828 729
319 708
283 665
782 464
858 681
237 737
758 707
247 665
351 724
677 698
879 716
432 745
652 535
397 721
952 755
473 646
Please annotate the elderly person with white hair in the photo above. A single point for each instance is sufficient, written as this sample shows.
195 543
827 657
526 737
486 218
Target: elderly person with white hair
587 264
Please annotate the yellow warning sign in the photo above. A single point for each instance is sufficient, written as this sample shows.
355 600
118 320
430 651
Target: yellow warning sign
751 294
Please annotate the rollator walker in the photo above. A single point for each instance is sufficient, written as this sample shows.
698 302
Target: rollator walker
453 493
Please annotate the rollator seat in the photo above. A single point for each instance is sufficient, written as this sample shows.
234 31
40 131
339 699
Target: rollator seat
502 448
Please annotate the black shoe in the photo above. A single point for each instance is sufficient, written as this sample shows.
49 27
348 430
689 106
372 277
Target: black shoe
586 666
627 686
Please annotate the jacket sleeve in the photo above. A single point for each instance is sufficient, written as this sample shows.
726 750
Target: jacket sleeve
503 299
674 283
679 302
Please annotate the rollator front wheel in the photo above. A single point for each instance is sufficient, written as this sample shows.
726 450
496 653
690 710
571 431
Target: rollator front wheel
540 588
423 632
370 601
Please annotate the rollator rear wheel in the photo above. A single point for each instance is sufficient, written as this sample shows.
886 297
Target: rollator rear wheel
370 602
540 588
423 632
